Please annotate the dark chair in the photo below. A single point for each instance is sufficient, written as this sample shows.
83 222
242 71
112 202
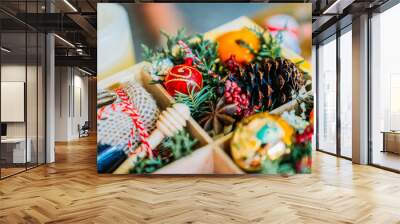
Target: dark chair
84 130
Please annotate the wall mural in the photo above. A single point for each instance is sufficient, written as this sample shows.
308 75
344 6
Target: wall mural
235 98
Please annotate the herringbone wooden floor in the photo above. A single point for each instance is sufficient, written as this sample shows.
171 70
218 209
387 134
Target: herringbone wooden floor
70 191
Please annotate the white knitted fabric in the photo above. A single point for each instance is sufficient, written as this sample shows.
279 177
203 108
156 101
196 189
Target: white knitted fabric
115 126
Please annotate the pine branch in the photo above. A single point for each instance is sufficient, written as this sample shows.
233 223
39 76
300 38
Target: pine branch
148 54
246 45
152 82
181 144
205 50
152 55
195 100
147 165
269 48
176 147
300 62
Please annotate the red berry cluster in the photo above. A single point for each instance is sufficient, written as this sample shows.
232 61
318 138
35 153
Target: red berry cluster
232 65
304 164
233 94
306 136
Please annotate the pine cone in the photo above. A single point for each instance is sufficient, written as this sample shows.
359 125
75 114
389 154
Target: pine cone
284 78
269 84
220 116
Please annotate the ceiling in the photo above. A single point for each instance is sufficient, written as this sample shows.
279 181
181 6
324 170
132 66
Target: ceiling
75 21
331 15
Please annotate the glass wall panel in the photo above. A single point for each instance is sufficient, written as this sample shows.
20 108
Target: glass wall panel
13 92
327 96
32 87
346 94
31 97
385 89
41 78
22 66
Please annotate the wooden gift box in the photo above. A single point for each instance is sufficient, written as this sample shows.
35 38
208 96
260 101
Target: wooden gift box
211 157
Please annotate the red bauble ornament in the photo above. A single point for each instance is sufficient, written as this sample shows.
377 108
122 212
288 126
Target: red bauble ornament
182 78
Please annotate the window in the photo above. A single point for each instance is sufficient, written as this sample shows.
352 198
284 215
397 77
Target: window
327 96
346 93
385 89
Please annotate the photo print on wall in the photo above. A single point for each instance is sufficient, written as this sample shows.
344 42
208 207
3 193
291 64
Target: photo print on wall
184 93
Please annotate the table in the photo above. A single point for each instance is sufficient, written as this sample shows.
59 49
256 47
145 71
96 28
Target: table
17 147
391 141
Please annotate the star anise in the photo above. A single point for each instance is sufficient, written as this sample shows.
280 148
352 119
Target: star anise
220 116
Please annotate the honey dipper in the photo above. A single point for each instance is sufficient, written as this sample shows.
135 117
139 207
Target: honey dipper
170 121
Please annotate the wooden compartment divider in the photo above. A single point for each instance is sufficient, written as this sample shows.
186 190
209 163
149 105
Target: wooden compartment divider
212 155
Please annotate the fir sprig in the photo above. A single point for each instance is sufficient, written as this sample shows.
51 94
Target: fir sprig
169 51
151 55
204 50
147 165
181 144
270 47
170 149
300 62
196 101
173 40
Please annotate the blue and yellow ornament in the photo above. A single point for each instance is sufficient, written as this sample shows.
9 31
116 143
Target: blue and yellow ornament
259 138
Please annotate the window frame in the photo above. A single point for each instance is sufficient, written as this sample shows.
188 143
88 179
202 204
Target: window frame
334 37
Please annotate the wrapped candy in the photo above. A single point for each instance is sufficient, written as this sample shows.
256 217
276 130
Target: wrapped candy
260 138
159 68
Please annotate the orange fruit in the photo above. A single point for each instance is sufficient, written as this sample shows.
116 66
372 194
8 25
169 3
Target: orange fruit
312 117
229 44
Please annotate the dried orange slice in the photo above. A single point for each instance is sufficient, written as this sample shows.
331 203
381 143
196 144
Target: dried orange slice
232 43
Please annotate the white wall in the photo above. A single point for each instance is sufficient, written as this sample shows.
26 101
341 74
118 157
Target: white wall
12 73
80 109
62 82
33 127
71 102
